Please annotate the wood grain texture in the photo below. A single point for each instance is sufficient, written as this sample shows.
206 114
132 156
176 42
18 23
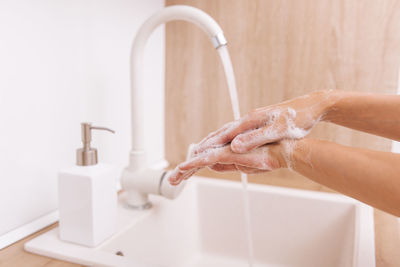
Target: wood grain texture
16 256
280 50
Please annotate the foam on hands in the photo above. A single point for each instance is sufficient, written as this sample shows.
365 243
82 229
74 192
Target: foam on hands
294 132
281 127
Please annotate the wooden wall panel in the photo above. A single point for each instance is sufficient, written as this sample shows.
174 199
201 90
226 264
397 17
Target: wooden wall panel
279 50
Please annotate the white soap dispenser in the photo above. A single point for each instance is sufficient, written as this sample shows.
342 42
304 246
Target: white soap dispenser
87 196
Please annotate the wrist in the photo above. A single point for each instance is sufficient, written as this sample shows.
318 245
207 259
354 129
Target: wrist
284 152
293 152
331 98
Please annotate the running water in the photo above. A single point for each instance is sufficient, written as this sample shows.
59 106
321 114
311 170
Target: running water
230 77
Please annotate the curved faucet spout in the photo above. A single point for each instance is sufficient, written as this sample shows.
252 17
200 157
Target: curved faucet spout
138 179
178 12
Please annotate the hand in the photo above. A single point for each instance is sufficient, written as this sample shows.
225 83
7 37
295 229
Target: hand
292 119
261 159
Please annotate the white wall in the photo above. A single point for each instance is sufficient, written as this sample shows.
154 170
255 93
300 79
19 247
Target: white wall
63 62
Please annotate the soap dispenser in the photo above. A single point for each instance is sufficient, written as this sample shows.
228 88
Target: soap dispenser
87 196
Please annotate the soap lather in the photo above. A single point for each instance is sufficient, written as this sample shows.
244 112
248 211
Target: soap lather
87 195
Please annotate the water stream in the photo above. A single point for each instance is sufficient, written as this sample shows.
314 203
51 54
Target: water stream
230 77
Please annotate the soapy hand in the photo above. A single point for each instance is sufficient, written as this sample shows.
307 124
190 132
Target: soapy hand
246 145
292 119
261 159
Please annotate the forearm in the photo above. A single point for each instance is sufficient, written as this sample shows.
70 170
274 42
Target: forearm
373 113
370 176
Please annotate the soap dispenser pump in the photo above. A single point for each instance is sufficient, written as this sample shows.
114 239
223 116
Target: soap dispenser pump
87 195
87 155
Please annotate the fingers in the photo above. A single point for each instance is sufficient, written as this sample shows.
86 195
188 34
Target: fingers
184 170
177 175
232 167
259 159
223 159
248 141
200 161
214 139
249 170
223 167
225 135
189 174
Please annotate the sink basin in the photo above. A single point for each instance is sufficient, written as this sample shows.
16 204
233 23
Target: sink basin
204 226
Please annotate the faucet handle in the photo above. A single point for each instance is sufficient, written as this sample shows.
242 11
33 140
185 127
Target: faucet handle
87 155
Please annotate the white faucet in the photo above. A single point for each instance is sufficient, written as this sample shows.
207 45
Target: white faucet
139 180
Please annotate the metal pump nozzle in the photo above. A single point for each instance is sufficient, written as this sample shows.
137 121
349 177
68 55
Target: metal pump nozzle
87 155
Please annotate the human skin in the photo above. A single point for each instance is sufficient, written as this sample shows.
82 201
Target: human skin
373 113
370 176
250 146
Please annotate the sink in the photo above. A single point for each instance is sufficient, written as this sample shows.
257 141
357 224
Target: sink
204 226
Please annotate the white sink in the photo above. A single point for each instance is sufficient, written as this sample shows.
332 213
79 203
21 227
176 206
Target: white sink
204 226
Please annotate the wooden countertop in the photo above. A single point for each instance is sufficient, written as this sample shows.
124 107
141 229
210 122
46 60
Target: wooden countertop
387 247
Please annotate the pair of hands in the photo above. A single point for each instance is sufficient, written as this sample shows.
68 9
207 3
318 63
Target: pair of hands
260 141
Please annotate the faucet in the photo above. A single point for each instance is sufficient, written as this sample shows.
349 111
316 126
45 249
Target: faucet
138 180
